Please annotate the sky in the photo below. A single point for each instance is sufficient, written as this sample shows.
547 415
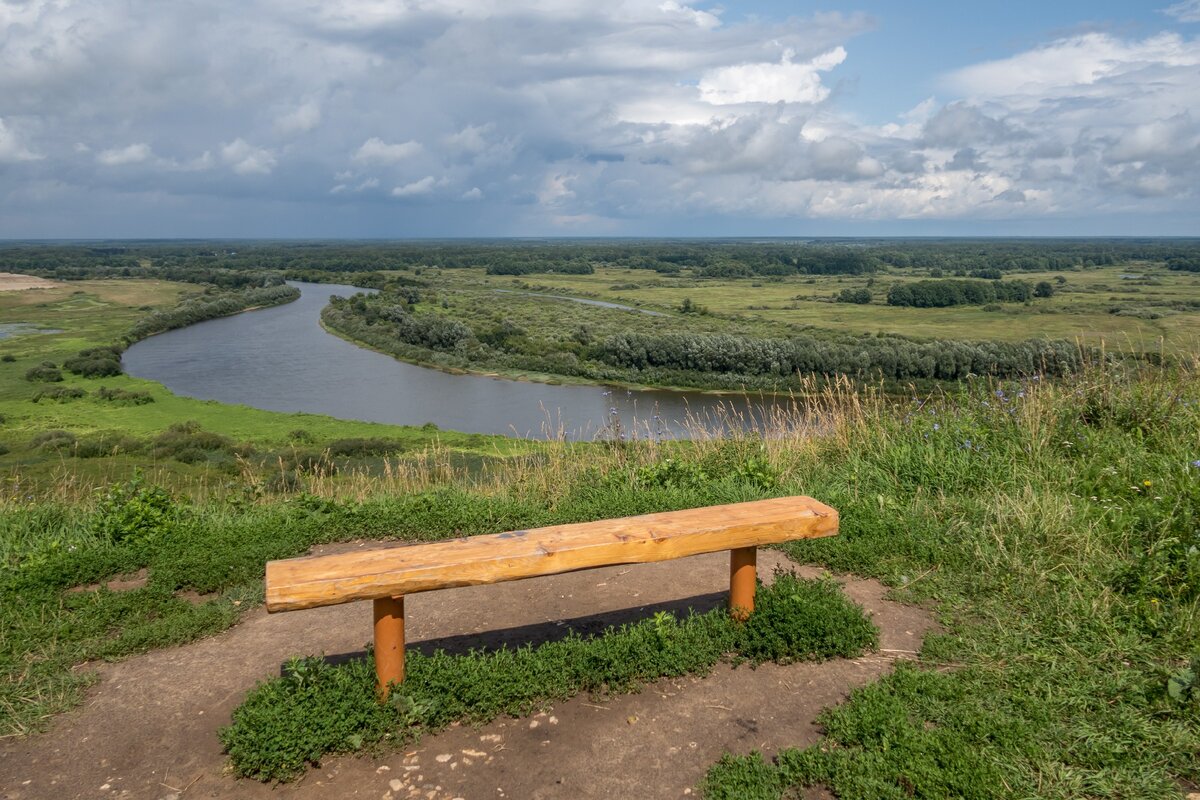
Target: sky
415 118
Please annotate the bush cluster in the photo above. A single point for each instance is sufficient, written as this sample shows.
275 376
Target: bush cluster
950 292
95 362
858 296
891 357
45 372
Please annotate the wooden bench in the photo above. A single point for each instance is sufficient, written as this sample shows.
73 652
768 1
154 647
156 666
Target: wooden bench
385 576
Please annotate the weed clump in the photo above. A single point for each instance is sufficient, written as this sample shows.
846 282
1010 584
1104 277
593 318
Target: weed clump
123 397
51 441
59 394
359 448
106 444
188 443
134 511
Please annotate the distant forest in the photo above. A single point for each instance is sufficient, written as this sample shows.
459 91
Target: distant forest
231 264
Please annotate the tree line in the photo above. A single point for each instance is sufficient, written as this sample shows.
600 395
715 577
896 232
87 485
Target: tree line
215 262
702 360
953 292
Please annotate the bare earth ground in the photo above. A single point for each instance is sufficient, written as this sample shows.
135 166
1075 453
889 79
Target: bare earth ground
12 282
148 729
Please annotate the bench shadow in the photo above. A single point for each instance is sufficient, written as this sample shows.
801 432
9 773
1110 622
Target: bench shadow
551 631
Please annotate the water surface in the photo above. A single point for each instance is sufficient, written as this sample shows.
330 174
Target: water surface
280 359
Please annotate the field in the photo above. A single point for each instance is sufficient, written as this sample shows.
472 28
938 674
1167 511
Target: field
1080 309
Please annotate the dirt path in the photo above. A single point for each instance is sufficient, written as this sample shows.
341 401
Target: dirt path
148 729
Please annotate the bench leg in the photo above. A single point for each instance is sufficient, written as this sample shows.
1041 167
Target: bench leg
742 574
389 643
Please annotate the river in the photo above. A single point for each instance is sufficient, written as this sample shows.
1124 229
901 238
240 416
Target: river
280 359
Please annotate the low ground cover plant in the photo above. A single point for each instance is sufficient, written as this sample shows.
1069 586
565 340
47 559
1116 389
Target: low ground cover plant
316 709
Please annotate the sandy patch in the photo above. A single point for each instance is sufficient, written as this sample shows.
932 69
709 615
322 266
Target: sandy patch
12 282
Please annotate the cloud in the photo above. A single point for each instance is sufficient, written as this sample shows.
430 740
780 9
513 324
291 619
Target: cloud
301 119
377 151
131 154
962 125
637 116
11 149
785 82
246 159
423 186
1187 11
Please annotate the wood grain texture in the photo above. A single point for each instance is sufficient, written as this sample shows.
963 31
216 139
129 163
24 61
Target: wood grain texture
298 583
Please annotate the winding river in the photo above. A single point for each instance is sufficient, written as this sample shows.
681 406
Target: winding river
280 359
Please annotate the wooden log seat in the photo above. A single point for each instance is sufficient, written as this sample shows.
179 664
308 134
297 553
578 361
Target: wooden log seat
385 576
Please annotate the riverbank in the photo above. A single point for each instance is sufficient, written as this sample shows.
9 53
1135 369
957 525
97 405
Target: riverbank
551 379
81 438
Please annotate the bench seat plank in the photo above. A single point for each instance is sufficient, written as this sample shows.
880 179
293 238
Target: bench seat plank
308 582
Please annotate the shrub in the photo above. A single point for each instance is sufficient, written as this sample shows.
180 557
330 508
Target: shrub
46 372
52 440
60 394
134 511
125 397
301 435
106 444
858 296
350 448
93 367
8 358
187 437
95 362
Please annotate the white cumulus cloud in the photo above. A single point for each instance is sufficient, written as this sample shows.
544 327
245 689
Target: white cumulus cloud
246 159
423 186
785 82
131 154
376 150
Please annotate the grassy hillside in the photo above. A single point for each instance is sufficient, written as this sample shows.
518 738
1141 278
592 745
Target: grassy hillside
1051 525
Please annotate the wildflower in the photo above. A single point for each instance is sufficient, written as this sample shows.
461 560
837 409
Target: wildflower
937 427
1021 393
1147 484
1196 463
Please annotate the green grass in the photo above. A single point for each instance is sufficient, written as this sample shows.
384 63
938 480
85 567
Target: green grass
315 709
771 306
1062 549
